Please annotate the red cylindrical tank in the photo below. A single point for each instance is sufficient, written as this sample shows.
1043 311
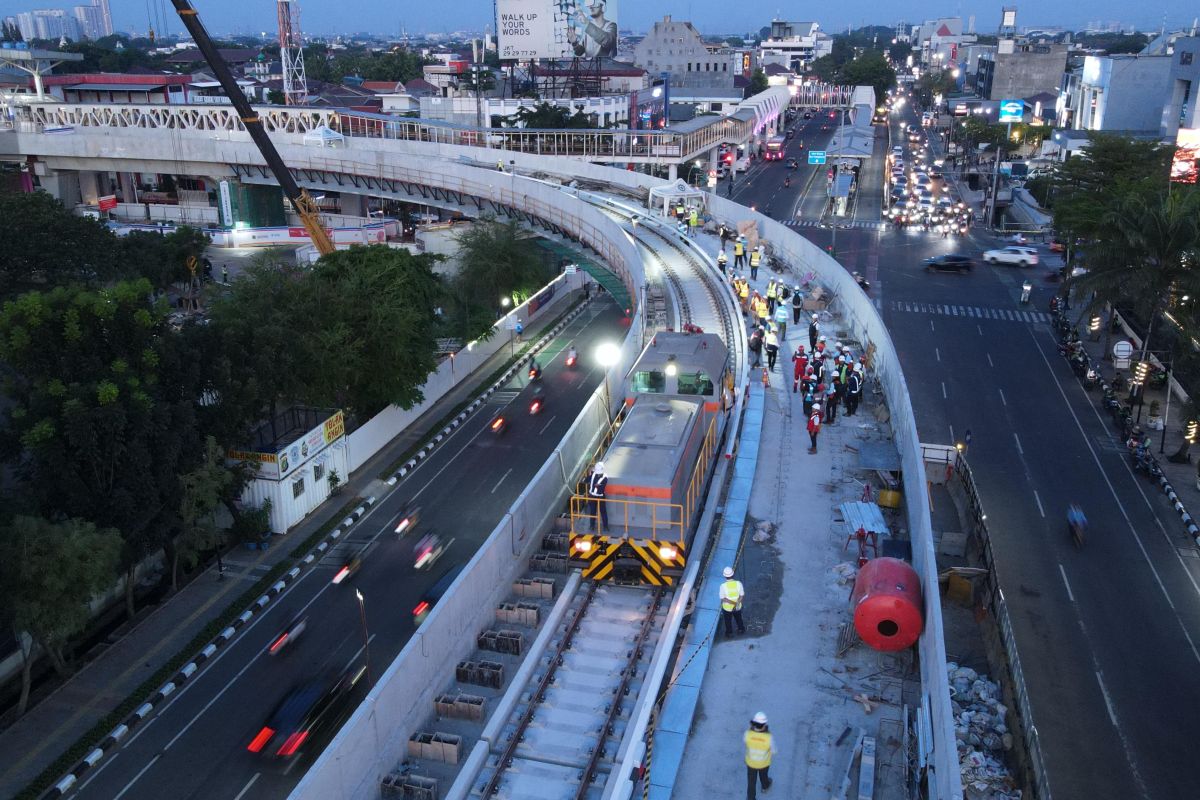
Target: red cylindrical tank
887 604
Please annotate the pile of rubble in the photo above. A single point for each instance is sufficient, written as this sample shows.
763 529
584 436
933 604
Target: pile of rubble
982 734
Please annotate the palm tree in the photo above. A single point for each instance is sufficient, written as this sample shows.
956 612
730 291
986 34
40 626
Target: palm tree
1147 252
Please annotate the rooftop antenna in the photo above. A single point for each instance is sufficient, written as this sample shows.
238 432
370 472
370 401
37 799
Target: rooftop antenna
291 54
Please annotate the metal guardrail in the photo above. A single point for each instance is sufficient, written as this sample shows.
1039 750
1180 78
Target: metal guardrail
1035 766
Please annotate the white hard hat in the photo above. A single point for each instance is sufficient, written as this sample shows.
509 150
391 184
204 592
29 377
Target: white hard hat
599 468
728 572
760 718
858 367
814 315
837 345
816 406
821 339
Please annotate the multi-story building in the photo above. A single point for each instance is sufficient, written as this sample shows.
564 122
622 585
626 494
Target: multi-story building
81 22
90 20
1183 84
1019 69
794 45
937 42
677 49
1118 93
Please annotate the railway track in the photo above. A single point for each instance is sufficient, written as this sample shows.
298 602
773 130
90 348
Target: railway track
573 712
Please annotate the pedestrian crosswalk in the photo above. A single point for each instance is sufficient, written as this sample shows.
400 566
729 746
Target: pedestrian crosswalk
973 312
850 223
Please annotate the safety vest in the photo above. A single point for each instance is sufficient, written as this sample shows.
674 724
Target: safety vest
738 249
781 315
755 257
597 484
721 257
771 290
744 290
693 220
731 594
758 749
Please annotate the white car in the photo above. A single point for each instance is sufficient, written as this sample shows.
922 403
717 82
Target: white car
1021 256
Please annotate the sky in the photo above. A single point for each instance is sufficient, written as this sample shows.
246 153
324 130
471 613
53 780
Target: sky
710 16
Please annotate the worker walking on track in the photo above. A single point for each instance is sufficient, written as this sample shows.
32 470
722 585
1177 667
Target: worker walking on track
760 746
732 594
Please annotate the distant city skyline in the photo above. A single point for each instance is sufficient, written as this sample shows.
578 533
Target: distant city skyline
709 16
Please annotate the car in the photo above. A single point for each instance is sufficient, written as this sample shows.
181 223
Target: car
308 710
435 592
936 174
1021 256
949 262
290 633
897 150
1058 247
793 164
900 180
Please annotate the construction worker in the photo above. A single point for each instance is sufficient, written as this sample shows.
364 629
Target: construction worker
772 293
799 365
755 260
814 427
760 746
814 330
693 222
739 253
732 595
743 291
781 317
722 260
797 305
854 388
597 485
772 348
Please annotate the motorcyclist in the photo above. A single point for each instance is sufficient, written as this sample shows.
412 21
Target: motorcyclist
535 370
1076 521
787 181
572 355
1026 288
427 550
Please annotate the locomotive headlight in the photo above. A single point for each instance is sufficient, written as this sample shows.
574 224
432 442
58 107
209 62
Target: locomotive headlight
582 545
667 553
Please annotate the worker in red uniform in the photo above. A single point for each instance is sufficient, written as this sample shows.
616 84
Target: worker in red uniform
799 364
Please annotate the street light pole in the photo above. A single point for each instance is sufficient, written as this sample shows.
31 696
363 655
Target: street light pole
362 615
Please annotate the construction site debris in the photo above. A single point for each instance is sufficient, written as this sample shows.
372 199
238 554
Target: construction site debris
982 732
763 531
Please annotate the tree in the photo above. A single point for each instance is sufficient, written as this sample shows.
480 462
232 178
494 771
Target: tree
1147 250
899 52
102 419
204 491
49 573
935 82
44 245
869 69
735 41
161 259
497 260
825 69
758 83
276 97
365 328
548 116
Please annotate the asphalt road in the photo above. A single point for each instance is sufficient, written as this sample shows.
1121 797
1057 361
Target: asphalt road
1107 635
195 747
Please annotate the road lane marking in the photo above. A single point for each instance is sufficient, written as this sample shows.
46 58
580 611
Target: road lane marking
246 788
980 329
357 653
1070 594
931 325
1121 506
989 357
129 785
1018 441
937 353
94 773
1002 400
547 425
952 434
1039 503
502 477
944 395
1112 714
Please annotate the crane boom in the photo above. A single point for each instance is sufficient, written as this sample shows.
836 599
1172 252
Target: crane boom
302 202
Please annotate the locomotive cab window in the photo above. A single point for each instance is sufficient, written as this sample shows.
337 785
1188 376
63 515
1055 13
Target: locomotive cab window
695 383
648 382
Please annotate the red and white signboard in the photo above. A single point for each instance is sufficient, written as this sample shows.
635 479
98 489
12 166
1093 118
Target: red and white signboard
108 202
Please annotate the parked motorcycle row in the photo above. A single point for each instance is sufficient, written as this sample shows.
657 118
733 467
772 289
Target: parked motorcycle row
1124 415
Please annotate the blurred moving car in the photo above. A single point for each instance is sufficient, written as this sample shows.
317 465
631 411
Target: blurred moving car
1021 256
949 262
307 711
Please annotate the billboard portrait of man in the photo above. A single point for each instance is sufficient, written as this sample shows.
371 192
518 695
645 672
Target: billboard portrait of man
592 35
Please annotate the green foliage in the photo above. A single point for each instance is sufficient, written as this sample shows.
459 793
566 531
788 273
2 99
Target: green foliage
1041 189
935 82
758 83
497 260
735 41
332 66
162 259
1113 43
103 418
869 69
547 115
203 492
44 244
49 573
102 55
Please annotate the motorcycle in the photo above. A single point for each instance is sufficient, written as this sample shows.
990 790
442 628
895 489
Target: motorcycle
1026 288
290 633
862 282
1080 364
1144 462
429 550
535 372
1118 382
1091 379
408 520
572 358
498 425
537 404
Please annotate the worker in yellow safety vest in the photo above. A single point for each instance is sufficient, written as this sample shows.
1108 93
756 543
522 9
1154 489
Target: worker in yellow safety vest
759 749
732 594
755 259
772 292
739 253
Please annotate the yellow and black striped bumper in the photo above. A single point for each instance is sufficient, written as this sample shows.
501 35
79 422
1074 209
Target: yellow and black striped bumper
649 562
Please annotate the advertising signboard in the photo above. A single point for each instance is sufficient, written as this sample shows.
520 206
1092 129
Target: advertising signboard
528 29
1187 156
276 466
108 202
1012 110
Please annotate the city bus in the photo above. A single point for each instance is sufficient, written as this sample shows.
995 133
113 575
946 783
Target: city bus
775 148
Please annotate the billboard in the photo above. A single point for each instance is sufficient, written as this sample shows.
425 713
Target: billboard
1187 155
277 466
556 28
1012 110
